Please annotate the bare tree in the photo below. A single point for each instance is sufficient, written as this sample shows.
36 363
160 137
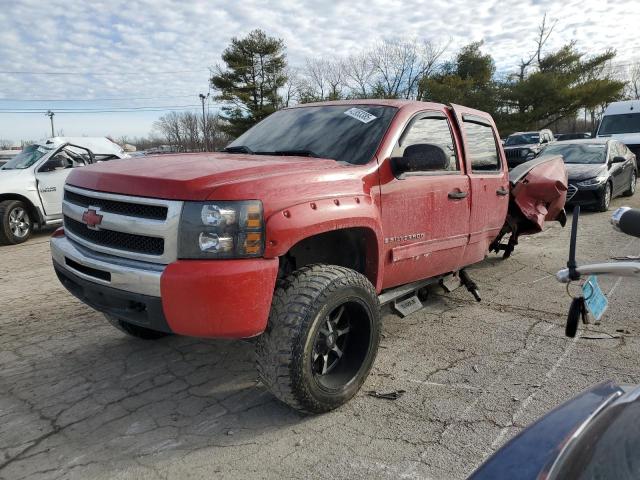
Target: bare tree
358 71
544 32
399 66
316 78
190 126
215 132
169 126
633 85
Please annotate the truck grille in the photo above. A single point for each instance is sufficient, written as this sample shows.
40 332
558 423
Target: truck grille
122 241
123 208
137 228
514 154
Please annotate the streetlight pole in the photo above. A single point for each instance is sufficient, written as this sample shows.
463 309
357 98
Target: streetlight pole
50 114
204 123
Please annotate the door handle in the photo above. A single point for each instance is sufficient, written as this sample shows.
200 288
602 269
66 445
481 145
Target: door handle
502 191
457 195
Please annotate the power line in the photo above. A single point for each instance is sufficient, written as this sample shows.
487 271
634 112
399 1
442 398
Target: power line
89 99
194 107
100 74
72 110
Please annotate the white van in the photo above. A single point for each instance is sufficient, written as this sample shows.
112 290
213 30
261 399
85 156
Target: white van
621 120
31 183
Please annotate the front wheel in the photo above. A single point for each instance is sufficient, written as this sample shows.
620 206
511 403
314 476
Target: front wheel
632 184
15 224
605 198
322 338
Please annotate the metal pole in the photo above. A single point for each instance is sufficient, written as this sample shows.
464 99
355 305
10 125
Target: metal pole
50 114
204 124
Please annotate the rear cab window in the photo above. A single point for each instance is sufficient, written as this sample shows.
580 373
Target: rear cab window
482 146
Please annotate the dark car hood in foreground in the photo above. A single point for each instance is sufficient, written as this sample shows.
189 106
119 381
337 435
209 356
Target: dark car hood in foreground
581 171
594 435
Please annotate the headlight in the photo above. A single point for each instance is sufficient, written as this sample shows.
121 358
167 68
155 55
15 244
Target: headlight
524 152
592 181
221 230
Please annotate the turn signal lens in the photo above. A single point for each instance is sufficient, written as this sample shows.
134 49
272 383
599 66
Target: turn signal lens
254 216
253 243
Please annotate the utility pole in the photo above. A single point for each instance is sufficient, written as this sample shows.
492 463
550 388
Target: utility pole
50 114
204 123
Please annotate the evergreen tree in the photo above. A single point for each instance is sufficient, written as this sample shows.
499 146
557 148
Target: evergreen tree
250 83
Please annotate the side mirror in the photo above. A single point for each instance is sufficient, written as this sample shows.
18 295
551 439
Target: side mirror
421 157
618 160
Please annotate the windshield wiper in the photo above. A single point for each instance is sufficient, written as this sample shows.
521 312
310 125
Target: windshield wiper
297 153
239 149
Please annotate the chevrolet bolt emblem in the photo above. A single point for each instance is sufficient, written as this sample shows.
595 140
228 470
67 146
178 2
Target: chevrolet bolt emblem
92 218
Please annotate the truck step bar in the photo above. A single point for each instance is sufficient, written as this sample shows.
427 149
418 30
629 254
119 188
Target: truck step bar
405 297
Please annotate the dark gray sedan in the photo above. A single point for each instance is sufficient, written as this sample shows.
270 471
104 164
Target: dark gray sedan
599 170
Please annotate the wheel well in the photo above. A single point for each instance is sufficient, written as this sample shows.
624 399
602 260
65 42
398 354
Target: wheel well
354 248
33 211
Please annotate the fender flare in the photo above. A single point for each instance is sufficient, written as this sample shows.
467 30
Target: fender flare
287 227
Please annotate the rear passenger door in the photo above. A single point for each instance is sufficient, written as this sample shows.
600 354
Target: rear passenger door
489 180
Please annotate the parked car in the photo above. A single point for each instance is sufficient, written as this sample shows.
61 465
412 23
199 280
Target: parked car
621 120
572 136
588 437
298 232
31 183
6 155
521 147
599 170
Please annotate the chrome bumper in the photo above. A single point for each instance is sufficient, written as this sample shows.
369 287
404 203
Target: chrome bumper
127 275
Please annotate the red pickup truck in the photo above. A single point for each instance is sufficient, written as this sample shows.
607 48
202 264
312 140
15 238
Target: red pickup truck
298 232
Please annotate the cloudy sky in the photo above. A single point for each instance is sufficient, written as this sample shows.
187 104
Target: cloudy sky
154 55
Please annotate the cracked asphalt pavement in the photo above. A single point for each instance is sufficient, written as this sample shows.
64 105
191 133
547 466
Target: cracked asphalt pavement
78 399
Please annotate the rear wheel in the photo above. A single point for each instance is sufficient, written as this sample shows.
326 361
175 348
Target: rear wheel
605 198
322 338
135 330
632 184
16 225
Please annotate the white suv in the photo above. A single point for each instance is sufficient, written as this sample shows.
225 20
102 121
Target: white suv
31 183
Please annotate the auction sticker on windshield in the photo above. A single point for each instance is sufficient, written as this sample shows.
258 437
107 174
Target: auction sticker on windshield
595 300
364 117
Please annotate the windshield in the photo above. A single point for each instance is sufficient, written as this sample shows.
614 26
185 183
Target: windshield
623 123
588 153
346 133
26 158
522 139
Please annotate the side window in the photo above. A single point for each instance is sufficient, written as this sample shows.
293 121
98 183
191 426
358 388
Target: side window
482 147
433 133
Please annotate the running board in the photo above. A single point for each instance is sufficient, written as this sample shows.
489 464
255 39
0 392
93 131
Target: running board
393 294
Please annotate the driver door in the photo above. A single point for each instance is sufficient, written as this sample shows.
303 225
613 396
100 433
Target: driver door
51 175
425 214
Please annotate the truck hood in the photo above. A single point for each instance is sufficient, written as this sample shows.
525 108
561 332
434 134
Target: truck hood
220 176
578 171
626 138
